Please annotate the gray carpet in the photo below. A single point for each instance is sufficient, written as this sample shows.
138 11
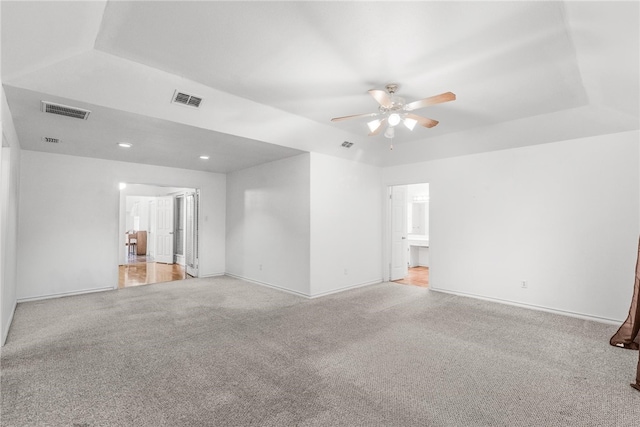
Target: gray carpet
223 352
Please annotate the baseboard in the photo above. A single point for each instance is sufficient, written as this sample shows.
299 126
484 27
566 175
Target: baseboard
346 288
64 294
211 275
6 328
268 285
534 307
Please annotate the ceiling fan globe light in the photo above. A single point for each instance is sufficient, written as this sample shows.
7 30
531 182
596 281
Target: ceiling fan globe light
373 125
409 123
394 119
389 133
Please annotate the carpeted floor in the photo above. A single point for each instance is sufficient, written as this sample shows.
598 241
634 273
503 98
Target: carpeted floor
222 352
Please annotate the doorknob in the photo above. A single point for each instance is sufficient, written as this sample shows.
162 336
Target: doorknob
404 238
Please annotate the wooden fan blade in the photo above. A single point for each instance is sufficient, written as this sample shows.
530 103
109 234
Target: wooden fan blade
355 116
423 121
381 126
382 97
432 100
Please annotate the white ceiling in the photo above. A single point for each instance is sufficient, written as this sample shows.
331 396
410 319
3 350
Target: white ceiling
273 74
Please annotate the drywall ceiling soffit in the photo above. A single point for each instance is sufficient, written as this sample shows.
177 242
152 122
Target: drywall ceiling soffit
155 141
106 80
585 121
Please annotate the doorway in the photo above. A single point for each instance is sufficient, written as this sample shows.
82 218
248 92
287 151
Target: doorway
157 226
409 234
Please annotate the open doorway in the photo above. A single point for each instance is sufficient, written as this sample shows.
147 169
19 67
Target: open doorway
409 229
158 234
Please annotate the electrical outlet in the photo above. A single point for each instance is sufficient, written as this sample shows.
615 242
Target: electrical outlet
346 272
260 267
523 284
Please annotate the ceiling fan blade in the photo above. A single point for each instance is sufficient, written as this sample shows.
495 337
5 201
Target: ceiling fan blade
377 130
355 116
423 121
432 100
382 97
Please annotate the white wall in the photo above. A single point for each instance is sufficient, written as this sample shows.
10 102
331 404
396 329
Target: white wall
9 188
69 218
346 224
562 216
268 224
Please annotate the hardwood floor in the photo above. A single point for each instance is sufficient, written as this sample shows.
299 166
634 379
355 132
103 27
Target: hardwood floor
418 276
145 273
137 259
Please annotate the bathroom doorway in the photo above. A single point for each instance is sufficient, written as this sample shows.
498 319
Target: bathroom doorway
409 234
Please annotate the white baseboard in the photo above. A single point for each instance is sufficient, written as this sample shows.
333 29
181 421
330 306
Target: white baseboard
534 307
302 294
5 331
346 288
268 285
64 294
211 275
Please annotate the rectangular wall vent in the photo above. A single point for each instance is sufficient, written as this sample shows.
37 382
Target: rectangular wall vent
50 140
64 110
186 99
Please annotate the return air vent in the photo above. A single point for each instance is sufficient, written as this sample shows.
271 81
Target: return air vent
50 140
64 110
186 99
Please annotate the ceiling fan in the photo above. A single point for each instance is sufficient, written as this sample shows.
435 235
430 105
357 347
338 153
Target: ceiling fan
393 110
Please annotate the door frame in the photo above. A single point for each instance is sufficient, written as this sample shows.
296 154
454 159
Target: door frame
121 214
387 224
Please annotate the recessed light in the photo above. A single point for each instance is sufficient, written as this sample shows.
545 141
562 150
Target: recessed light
125 144
204 157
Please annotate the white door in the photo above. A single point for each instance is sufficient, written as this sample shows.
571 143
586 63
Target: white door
191 233
164 230
399 244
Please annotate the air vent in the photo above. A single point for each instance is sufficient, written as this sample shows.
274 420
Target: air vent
50 140
64 110
347 144
186 99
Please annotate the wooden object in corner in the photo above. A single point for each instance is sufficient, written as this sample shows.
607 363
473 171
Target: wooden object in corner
141 243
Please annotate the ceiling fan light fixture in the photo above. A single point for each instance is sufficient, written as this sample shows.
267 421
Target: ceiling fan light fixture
410 123
392 110
373 125
394 119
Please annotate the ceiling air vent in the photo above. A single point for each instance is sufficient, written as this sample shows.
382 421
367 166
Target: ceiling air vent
50 140
186 99
64 110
